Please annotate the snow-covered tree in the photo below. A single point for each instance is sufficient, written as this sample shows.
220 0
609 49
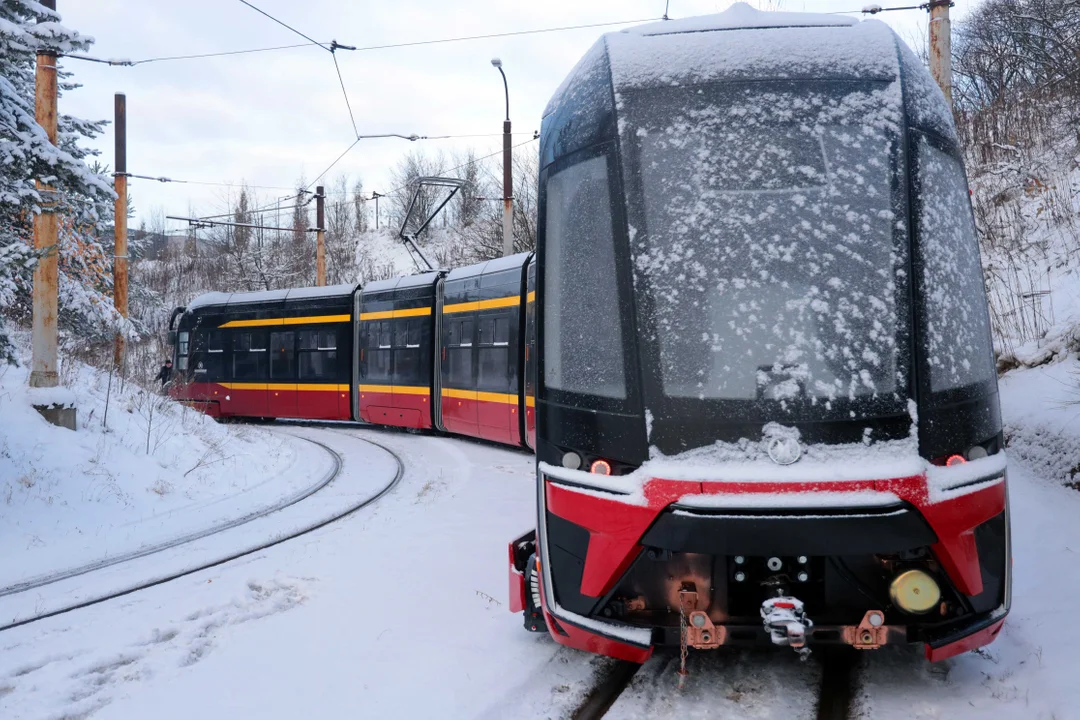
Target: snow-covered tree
26 155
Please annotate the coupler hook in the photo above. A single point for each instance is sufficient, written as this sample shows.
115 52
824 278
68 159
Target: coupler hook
786 622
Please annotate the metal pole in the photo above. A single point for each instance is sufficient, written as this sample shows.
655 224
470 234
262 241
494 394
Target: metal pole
508 179
320 237
941 46
44 365
120 255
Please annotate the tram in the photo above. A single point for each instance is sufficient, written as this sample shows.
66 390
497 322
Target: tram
766 401
752 351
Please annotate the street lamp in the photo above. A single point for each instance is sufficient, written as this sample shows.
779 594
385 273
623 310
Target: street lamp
508 182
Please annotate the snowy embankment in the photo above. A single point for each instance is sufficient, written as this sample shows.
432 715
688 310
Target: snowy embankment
139 470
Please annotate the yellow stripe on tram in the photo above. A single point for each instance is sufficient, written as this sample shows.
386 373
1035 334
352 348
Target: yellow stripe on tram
306 320
387 314
334 387
396 389
531 297
508 301
480 396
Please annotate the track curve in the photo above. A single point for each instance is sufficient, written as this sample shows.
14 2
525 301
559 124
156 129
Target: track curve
400 470
287 501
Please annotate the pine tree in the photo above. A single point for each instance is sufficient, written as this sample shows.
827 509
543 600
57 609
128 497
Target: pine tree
26 155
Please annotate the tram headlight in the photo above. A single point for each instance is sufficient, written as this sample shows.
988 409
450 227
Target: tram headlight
600 467
915 591
571 460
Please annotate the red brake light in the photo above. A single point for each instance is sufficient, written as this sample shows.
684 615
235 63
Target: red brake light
955 460
600 467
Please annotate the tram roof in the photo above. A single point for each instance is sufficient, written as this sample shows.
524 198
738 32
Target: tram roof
737 45
488 267
244 298
402 283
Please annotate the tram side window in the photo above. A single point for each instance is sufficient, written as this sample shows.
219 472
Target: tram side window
379 355
956 347
249 356
318 355
283 355
459 354
207 345
583 348
407 360
182 350
494 357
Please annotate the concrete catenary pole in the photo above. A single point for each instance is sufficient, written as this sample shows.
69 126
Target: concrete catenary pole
320 236
375 196
941 46
44 365
120 256
508 178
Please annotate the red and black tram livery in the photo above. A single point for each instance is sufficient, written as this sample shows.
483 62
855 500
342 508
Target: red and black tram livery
440 350
752 351
766 400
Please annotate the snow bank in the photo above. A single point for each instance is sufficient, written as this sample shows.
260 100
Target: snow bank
1041 414
140 468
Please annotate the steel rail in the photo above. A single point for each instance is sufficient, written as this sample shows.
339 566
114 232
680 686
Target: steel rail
250 551
281 504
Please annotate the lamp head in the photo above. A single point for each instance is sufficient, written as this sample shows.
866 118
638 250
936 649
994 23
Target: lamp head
496 62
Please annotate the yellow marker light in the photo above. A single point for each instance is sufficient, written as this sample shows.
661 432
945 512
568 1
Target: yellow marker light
915 591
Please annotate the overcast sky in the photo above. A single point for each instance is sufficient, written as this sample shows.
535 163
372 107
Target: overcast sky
270 118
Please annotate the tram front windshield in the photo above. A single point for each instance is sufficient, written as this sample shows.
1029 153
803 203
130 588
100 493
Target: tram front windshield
773 252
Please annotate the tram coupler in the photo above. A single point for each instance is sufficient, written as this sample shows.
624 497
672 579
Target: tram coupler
870 634
786 622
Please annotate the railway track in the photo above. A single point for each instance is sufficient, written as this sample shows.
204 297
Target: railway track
296 498
834 699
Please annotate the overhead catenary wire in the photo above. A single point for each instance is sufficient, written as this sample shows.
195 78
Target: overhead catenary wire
874 9
163 179
164 58
326 45
345 93
285 25
502 34
331 48
444 172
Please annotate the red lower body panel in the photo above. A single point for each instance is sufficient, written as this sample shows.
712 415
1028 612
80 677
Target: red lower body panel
278 400
396 405
488 416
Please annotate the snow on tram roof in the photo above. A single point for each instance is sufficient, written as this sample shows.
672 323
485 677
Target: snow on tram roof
740 16
306 293
772 45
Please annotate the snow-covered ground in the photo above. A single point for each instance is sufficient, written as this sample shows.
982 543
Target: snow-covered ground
141 473
399 610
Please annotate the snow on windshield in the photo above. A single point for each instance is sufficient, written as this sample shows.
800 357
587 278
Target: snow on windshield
769 249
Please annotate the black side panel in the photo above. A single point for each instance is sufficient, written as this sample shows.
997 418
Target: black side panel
568 544
990 538
614 437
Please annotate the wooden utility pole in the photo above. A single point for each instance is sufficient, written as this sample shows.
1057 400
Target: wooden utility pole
120 254
320 237
941 46
43 369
